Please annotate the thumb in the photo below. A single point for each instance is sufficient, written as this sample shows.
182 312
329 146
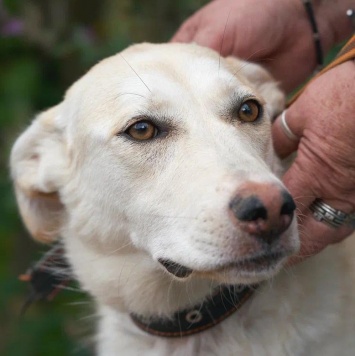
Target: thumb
300 184
291 119
186 32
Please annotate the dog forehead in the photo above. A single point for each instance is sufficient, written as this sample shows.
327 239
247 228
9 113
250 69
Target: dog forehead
191 67
171 78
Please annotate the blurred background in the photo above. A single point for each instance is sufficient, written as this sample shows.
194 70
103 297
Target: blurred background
45 45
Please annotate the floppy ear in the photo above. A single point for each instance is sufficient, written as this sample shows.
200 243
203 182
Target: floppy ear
263 82
39 166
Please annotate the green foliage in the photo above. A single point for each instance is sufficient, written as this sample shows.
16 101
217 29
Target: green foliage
45 45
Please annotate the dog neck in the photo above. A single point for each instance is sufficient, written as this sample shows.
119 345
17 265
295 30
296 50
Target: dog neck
213 310
157 302
133 283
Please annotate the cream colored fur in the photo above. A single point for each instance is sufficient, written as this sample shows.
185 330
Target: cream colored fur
120 205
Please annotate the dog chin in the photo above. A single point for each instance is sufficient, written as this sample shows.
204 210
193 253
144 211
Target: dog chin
248 274
244 271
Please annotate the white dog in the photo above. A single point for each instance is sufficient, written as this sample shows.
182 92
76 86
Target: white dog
158 173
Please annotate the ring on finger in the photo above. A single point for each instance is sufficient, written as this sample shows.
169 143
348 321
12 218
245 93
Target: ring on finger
286 129
333 217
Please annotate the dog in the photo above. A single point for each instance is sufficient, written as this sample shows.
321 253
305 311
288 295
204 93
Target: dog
157 172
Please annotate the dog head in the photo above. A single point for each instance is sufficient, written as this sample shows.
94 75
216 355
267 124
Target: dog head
163 152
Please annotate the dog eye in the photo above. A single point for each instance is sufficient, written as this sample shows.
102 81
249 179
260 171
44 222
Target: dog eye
142 131
249 111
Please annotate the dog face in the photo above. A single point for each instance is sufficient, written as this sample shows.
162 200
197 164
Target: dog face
164 152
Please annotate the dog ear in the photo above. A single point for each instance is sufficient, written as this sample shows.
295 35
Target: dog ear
39 166
260 79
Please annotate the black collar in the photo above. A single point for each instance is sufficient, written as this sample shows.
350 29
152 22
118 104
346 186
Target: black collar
212 311
47 277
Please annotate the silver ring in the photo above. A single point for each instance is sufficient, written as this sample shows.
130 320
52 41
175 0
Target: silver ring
333 217
286 129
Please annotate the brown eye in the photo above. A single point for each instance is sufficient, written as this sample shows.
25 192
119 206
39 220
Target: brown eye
142 131
249 111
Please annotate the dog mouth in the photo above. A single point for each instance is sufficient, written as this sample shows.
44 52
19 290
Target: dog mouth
175 269
255 264
258 263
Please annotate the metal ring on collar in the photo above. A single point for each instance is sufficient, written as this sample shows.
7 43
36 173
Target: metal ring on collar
333 217
286 129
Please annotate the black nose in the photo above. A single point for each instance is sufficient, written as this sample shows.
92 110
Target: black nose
288 206
248 209
265 214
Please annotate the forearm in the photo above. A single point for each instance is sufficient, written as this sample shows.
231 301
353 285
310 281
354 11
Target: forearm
334 25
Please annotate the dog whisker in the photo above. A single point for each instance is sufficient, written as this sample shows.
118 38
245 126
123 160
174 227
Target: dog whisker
135 72
170 216
250 57
169 291
71 289
113 252
90 316
238 70
130 243
142 96
304 196
188 293
79 303
222 41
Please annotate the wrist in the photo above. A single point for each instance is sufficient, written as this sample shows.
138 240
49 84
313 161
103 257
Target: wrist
334 25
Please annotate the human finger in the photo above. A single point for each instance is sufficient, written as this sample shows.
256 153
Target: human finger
300 181
287 131
316 235
186 32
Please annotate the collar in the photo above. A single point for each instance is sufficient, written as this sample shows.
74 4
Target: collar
223 303
50 274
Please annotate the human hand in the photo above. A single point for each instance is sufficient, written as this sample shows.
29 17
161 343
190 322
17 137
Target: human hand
274 32
324 118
